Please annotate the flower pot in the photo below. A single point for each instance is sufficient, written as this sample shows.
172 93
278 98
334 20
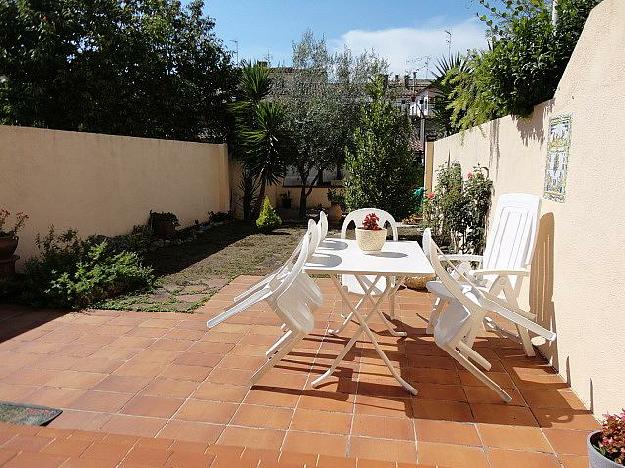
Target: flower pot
369 240
595 458
8 245
335 214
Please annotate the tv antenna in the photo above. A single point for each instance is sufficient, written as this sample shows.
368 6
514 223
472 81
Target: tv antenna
236 43
449 36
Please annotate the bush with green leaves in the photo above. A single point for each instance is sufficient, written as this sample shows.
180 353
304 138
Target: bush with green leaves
268 220
382 169
457 211
525 61
71 272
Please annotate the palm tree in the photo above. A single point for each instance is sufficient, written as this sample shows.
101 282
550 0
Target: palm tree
260 136
267 144
446 69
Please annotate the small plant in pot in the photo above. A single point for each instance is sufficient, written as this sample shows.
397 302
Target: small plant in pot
606 448
8 237
163 224
371 237
337 200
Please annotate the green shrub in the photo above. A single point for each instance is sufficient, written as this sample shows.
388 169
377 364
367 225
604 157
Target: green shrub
382 169
457 210
268 220
71 272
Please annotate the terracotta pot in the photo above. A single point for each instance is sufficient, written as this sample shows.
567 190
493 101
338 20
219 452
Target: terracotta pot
595 459
8 245
369 240
335 214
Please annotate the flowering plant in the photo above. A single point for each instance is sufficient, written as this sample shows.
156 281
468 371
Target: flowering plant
371 223
20 220
611 443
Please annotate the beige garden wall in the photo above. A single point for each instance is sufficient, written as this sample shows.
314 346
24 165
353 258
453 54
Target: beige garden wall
103 184
576 285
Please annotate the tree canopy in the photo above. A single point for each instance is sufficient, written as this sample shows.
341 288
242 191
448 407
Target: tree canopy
148 68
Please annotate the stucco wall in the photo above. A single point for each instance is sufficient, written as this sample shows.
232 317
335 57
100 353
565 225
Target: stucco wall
103 184
576 284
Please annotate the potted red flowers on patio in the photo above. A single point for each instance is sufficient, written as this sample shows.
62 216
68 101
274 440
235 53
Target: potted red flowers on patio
371 237
606 448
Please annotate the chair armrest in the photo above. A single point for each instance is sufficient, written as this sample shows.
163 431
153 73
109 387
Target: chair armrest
480 273
463 258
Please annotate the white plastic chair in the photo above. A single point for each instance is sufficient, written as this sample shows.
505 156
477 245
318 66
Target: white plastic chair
506 261
466 310
258 291
351 284
323 226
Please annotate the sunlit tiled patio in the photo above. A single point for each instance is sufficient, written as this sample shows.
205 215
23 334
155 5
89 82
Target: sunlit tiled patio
167 376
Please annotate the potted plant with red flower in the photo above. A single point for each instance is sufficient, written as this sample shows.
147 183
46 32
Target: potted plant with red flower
8 237
606 448
371 237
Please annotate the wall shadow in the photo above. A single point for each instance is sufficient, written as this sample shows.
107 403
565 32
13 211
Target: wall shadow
541 283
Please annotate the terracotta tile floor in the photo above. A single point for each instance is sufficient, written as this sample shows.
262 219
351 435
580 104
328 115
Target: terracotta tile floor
159 378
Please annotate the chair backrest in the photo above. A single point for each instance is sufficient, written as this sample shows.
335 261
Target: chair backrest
291 298
358 216
511 240
322 225
425 242
315 238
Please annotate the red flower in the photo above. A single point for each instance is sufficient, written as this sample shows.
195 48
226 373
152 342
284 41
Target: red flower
430 195
470 175
370 222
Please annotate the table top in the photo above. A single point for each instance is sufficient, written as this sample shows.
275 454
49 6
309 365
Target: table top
397 258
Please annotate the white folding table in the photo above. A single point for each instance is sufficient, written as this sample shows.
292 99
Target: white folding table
398 259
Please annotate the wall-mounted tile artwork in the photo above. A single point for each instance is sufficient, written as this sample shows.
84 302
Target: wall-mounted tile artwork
557 163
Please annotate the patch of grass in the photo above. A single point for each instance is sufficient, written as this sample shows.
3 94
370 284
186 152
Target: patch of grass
190 273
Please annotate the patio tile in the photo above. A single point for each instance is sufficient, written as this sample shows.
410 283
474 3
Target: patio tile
382 427
206 411
381 406
120 383
327 401
262 416
514 437
67 447
447 432
500 458
31 443
134 368
328 461
486 395
85 420
450 455
442 410
192 431
574 461
552 398
171 345
104 402
134 425
250 437
170 388
220 392
269 396
75 379
441 392
199 359
230 376
12 392
105 451
55 397
157 355
321 421
40 460
184 372
390 450
154 406
565 419
147 456
311 442
502 414
566 441
28 376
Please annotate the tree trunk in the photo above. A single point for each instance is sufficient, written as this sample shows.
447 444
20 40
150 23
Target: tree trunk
261 199
302 203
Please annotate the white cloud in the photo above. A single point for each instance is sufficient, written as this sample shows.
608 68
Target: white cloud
398 45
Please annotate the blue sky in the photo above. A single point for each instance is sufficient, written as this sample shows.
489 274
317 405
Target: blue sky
399 30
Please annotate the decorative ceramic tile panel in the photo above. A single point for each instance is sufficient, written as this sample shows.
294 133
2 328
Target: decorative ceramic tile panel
557 164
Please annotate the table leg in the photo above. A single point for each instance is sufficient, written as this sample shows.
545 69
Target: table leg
389 326
364 328
348 316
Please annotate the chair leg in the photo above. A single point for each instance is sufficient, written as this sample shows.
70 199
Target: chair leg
526 341
478 374
391 301
474 355
276 358
277 344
